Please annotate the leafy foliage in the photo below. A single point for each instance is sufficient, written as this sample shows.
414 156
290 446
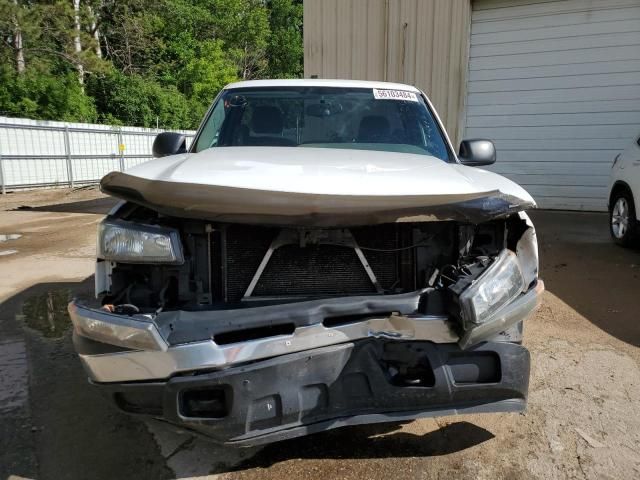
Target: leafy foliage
42 95
132 99
285 50
139 62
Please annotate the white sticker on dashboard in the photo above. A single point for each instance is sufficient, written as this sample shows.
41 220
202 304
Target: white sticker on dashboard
379 94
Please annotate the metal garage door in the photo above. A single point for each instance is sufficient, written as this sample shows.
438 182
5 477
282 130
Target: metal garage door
556 85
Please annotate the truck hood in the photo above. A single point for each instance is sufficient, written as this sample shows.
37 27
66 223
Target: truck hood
316 187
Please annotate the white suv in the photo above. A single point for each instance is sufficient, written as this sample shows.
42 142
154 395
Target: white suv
625 195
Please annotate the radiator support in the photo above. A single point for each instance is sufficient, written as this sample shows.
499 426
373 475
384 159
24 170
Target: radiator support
304 237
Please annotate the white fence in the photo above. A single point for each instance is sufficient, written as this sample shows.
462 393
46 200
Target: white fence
35 153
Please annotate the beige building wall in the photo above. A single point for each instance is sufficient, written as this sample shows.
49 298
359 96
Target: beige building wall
420 42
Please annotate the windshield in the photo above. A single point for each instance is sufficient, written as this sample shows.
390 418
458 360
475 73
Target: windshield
354 118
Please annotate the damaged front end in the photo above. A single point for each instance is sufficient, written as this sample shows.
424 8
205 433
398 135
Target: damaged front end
252 333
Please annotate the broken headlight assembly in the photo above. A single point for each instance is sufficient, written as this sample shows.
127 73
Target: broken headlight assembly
498 285
136 333
129 242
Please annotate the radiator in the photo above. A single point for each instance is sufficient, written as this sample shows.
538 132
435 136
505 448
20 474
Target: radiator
321 270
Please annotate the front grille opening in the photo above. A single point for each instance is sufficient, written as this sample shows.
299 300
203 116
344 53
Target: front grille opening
314 269
417 375
348 319
482 367
237 336
146 403
322 270
206 403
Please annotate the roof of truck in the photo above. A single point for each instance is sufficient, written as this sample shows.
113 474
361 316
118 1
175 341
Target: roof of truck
316 82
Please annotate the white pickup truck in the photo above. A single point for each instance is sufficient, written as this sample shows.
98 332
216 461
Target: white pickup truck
319 256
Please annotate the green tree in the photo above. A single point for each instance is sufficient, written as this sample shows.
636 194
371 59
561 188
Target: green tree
139 62
205 75
243 26
136 100
285 50
35 94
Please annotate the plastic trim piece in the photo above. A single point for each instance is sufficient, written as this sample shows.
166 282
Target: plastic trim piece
347 384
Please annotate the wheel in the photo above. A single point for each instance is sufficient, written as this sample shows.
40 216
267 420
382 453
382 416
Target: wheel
622 216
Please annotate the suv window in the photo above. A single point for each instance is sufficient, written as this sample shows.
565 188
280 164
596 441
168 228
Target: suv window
355 118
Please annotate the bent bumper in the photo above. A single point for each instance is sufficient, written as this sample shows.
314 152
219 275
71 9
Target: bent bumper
367 381
146 353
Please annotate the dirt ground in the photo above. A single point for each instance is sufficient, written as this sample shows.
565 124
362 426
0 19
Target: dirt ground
583 418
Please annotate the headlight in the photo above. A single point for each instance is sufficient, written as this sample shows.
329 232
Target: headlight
117 330
135 243
501 283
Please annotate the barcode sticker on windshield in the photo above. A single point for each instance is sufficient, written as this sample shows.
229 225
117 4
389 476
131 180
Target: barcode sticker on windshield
394 95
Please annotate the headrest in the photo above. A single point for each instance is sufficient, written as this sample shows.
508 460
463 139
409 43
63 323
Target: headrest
374 128
267 120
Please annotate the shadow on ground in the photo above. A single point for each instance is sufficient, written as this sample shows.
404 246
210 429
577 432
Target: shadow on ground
582 266
371 441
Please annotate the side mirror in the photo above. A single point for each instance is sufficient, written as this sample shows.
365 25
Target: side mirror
475 153
169 143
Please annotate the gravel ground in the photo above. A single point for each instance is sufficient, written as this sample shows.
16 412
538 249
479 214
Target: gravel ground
583 419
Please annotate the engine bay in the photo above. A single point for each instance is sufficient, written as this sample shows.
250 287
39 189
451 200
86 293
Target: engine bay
227 266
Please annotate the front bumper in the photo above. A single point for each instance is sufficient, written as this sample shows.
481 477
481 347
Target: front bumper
319 376
367 381
161 359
